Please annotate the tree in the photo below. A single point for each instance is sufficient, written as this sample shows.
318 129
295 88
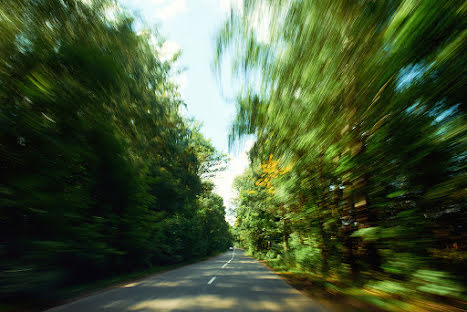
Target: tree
356 96
100 173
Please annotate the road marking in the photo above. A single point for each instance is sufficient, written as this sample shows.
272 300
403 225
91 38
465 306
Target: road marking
211 280
225 264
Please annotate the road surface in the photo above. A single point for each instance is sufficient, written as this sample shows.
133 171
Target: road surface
229 282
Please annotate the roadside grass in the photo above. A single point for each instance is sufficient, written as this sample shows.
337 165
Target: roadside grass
76 292
341 296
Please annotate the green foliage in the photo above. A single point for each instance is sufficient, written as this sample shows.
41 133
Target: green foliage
364 101
438 282
100 174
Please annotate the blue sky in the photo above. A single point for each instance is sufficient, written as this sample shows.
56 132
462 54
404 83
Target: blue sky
191 26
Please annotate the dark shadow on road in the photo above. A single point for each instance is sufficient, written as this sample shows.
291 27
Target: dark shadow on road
242 285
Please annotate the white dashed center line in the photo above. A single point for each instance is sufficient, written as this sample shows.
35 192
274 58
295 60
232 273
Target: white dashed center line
211 280
225 264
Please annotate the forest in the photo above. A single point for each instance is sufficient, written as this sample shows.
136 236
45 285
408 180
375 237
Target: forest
100 173
358 174
356 181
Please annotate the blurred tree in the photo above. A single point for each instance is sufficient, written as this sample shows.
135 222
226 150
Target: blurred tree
365 99
100 173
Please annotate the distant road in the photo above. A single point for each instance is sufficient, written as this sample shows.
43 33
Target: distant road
229 282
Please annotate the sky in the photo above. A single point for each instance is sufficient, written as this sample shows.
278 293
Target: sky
191 26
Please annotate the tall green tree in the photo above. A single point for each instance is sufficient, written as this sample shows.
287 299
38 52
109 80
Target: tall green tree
365 100
100 173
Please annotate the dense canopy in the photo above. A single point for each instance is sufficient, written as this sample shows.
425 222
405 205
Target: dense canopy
358 109
100 174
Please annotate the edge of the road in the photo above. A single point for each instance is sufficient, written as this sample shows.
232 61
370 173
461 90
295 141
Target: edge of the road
124 282
322 305
325 304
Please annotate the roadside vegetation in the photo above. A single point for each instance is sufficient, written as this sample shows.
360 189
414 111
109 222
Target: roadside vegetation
357 179
101 176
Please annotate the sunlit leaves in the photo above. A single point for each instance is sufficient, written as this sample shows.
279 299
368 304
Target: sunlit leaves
366 100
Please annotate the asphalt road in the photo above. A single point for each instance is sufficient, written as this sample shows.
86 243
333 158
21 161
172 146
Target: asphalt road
229 282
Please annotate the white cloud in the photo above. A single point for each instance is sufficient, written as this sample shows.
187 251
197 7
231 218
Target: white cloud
226 5
160 9
156 2
168 50
260 16
261 19
165 53
111 12
167 9
224 180
181 81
